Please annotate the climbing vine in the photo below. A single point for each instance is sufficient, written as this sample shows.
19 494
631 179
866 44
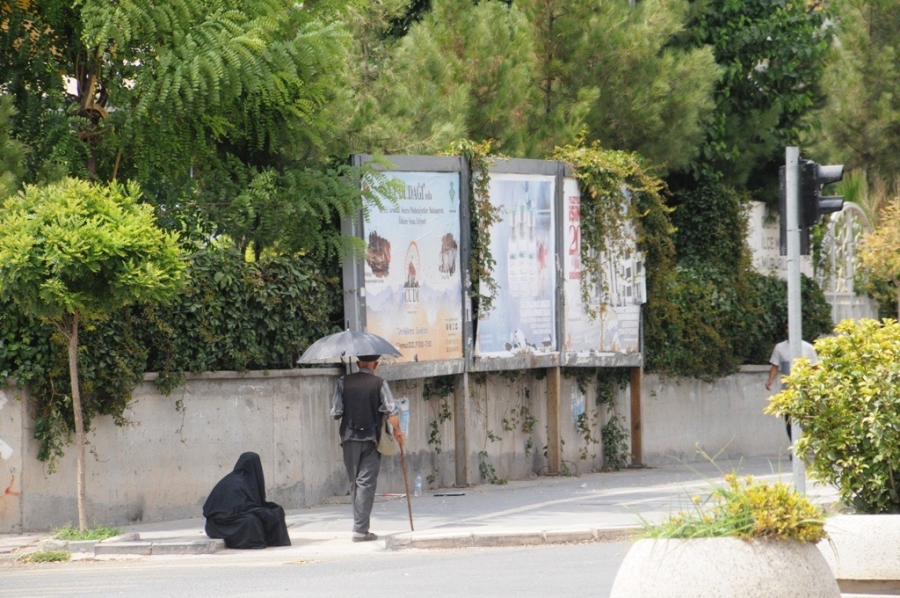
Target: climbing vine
617 189
613 434
487 471
484 466
436 391
609 382
516 417
482 216
584 425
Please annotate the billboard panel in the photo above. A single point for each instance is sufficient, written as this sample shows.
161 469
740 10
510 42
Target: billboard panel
616 327
413 282
523 246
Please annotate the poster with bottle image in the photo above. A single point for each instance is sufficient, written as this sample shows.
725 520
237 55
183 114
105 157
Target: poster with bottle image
616 326
523 246
412 268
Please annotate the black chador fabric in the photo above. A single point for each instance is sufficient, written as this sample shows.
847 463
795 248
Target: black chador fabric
237 512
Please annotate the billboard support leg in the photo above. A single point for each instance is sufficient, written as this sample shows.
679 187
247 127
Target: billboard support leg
637 448
460 444
554 455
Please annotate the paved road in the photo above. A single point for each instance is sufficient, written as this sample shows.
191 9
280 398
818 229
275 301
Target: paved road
547 571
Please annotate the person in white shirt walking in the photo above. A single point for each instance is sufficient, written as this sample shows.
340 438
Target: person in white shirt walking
781 363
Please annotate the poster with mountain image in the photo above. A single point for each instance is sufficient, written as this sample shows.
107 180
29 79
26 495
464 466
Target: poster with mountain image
412 268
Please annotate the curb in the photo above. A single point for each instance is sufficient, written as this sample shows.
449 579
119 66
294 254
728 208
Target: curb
160 548
129 544
427 540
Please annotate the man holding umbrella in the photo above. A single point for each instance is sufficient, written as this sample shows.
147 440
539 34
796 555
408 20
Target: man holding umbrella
361 401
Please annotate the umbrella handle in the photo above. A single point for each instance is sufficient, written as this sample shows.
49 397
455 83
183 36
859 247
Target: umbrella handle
406 484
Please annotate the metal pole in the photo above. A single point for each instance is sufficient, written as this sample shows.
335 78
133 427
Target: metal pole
795 311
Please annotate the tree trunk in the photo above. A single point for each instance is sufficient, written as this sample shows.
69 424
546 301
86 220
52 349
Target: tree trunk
79 423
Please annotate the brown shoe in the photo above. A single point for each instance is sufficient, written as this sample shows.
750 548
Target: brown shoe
367 537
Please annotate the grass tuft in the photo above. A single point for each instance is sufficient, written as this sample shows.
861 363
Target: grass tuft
46 556
71 533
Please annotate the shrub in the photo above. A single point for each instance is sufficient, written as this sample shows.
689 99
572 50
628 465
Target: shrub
768 296
747 510
849 409
719 323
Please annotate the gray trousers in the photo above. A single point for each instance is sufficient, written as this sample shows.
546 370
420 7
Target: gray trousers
362 461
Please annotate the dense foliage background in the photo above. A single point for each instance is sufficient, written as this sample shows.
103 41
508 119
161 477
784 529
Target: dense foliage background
237 118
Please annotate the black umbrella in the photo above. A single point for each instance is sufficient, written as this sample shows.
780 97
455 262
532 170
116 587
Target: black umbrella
341 346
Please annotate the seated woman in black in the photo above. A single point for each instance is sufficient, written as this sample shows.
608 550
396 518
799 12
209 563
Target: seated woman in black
237 512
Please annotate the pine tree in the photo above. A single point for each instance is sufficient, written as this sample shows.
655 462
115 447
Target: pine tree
610 67
463 71
860 125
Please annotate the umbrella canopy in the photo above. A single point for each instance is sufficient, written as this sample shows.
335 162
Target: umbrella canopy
335 348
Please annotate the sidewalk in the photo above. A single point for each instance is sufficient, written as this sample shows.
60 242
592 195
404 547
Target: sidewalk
591 507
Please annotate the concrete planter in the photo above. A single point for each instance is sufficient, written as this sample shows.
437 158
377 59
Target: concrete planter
724 567
862 552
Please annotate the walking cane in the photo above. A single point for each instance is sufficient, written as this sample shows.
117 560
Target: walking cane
406 483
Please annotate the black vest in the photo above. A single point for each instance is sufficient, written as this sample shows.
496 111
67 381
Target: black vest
362 401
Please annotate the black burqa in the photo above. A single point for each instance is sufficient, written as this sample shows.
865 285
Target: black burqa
237 512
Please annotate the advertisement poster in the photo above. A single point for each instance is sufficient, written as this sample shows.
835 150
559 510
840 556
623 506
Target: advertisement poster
616 327
412 268
523 245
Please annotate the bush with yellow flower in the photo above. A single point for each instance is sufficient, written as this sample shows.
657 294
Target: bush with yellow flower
746 509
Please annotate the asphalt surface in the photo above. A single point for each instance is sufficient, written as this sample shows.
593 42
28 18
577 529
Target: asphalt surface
592 507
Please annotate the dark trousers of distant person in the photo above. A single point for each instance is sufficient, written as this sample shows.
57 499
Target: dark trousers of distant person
363 461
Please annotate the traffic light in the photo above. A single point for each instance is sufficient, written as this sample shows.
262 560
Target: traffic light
813 205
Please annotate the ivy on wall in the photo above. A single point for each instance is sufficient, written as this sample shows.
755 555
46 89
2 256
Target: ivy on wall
618 190
437 391
482 216
614 434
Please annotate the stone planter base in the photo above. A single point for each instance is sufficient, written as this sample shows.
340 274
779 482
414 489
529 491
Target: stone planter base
724 567
862 551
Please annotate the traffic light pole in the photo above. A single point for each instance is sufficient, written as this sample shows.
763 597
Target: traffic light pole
795 312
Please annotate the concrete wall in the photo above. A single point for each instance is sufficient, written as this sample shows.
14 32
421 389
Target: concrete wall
164 464
684 416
